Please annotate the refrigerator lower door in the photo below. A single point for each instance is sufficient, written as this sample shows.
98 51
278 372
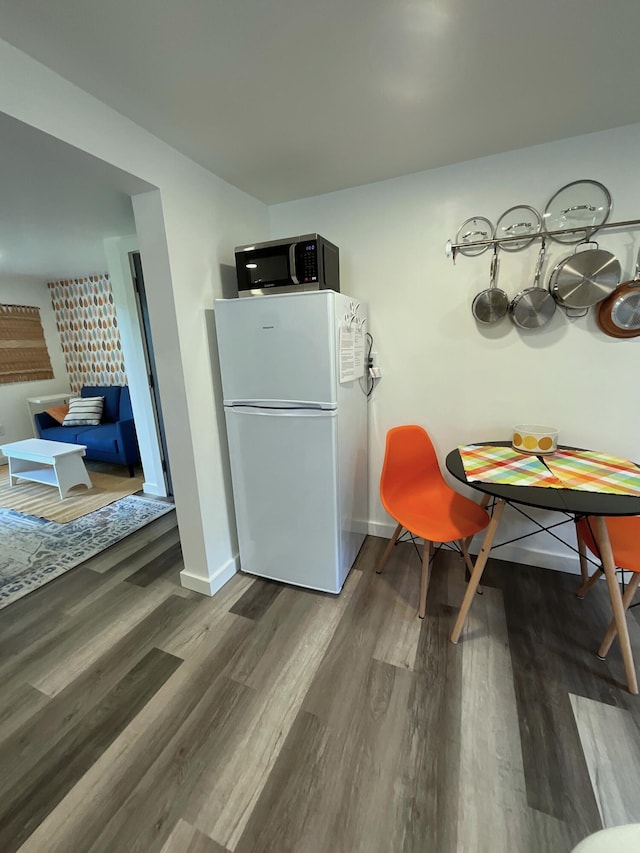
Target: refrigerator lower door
285 486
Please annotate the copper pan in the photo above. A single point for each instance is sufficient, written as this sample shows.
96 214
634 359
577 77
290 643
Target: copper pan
619 313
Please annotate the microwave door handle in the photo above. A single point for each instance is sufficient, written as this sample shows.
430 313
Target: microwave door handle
292 263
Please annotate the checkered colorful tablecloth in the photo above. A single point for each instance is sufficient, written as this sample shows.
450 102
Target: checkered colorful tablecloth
505 466
592 471
583 470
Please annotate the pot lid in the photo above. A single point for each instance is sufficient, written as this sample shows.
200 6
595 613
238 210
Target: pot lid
519 220
471 231
580 203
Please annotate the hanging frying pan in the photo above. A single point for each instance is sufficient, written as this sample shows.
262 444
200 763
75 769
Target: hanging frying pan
492 304
585 278
534 306
619 314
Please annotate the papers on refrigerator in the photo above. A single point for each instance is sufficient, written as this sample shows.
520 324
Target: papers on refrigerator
351 352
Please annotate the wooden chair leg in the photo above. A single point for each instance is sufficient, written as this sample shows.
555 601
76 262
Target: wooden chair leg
425 577
464 547
388 549
627 598
584 589
483 503
608 564
584 565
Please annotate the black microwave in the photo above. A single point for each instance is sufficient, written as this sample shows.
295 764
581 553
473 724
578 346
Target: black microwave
292 265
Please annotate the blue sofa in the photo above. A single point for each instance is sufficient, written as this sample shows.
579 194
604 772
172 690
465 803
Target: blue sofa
114 440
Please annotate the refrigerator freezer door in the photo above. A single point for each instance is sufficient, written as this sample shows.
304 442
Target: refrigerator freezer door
278 349
284 473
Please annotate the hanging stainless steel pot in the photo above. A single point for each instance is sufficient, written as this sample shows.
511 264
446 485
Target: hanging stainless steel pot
619 314
492 304
534 306
584 278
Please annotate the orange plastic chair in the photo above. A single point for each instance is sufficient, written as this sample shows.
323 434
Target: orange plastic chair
624 535
416 496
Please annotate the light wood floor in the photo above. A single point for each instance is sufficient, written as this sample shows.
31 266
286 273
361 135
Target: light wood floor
138 716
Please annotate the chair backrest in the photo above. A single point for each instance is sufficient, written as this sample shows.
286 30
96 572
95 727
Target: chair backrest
409 461
586 532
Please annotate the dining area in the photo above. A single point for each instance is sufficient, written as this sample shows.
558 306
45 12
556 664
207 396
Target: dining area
595 492
546 658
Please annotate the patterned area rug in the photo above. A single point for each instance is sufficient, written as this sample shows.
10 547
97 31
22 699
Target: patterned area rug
34 550
41 501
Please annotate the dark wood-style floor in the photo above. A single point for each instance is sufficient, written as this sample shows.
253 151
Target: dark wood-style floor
139 716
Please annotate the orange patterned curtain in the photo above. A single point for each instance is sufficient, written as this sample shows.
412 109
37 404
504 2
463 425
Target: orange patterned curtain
23 350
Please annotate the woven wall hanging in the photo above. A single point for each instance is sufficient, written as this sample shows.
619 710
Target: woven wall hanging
23 350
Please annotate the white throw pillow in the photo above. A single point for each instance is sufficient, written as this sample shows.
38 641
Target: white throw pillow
84 411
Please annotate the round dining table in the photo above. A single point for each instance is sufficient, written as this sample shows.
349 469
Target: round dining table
571 502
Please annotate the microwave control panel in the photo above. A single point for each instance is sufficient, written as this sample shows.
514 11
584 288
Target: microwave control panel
307 262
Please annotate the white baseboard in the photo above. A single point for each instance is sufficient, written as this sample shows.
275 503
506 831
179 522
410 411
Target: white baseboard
154 489
209 586
557 561
565 562
377 528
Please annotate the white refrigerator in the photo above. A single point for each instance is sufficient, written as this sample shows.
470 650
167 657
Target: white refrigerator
292 368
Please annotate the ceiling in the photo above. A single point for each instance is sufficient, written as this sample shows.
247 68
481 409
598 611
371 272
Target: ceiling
58 205
287 98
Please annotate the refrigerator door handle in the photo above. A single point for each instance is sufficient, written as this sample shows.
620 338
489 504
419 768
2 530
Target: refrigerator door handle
278 405
267 412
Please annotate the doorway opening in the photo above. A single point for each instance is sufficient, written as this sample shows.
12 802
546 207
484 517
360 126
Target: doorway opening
147 343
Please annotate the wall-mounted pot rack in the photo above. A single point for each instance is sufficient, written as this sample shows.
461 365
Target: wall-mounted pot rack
452 249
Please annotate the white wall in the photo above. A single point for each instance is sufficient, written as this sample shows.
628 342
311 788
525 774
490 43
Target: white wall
464 382
14 411
204 219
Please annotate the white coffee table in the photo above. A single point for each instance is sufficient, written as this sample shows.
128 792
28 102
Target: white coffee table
52 462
